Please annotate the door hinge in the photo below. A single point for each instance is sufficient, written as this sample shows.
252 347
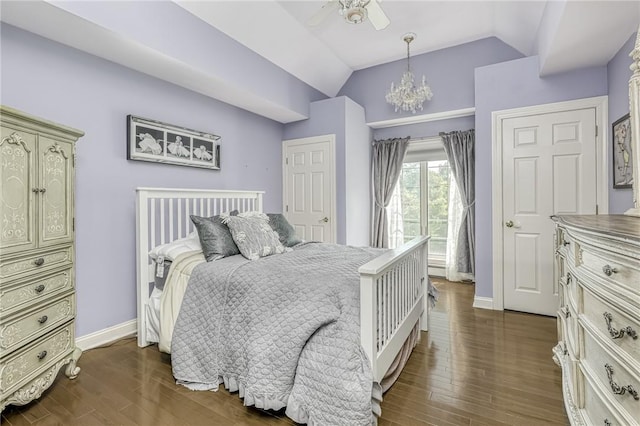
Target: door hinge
286 161
73 224
596 209
286 208
596 130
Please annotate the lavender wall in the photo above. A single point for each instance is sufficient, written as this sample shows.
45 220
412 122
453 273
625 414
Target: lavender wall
508 85
357 175
64 85
618 74
327 117
449 72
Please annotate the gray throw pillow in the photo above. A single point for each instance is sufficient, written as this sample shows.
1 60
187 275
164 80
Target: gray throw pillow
253 235
285 231
215 238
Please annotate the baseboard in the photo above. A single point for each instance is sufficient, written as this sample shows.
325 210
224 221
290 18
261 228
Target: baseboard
483 302
107 335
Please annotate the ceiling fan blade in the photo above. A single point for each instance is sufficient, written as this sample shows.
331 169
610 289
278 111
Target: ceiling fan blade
329 8
376 15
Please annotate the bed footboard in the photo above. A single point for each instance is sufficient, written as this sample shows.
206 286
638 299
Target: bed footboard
393 297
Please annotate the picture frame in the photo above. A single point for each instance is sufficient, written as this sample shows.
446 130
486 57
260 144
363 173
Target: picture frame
622 153
158 142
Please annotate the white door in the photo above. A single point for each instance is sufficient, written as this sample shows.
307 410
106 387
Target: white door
549 167
309 187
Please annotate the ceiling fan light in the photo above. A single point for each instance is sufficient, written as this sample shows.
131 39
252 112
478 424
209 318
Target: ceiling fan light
355 15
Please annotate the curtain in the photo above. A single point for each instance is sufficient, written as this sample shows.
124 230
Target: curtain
388 156
459 146
396 221
453 229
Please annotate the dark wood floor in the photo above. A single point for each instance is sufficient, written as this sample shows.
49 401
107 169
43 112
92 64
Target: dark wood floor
474 367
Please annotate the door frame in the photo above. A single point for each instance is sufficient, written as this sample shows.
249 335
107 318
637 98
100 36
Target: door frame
600 103
331 138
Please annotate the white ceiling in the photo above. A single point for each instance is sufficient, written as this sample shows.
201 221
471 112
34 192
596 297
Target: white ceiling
573 34
566 34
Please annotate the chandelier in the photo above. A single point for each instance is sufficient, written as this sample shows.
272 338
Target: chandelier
354 11
406 95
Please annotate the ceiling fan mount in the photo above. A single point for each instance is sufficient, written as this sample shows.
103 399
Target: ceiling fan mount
354 12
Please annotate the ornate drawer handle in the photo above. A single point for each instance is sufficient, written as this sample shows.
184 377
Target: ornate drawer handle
39 261
41 355
43 190
569 278
565 243
616 388
40 288
608 270
35 190
616 334
43 319
607 422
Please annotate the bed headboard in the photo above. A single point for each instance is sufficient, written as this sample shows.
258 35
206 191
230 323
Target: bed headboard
162 216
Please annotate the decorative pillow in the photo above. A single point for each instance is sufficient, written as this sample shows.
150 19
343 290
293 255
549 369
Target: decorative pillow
253 235
215 238
285 231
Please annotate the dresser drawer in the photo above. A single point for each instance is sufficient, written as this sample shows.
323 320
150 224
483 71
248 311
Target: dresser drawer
619 382
46 260
18 330
613 325
23 365
571 329
571 290
613 268
596 409
32 291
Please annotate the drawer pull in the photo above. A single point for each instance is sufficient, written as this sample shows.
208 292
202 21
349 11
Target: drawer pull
43 319
607 422
616 388
565 243
608 270
41 355
39 288
39 261
616 334
569 278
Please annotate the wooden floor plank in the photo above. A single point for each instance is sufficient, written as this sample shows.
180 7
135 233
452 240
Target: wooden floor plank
474 367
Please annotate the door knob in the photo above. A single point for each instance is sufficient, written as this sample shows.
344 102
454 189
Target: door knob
325 219
509 224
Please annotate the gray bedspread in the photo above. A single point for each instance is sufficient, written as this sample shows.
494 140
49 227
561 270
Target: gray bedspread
283 330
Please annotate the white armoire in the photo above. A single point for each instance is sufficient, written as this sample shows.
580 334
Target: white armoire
37 271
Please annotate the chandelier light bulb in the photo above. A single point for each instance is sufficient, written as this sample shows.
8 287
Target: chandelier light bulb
406 96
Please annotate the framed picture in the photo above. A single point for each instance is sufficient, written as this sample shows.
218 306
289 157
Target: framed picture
150 140
622 158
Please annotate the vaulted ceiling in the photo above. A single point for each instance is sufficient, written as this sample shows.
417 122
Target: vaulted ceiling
566 34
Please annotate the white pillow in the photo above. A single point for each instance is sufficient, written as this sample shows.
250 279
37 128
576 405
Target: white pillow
175 248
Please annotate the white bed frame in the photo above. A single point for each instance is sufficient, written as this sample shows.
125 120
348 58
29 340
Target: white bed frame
393 286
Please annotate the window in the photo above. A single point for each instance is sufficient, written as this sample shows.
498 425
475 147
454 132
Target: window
420 203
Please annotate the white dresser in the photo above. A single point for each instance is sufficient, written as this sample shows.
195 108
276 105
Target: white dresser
37 275
598 273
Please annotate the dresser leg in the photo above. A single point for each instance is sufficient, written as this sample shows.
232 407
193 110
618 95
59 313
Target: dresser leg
73 370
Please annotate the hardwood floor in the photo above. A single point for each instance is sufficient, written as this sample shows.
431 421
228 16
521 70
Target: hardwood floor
474 367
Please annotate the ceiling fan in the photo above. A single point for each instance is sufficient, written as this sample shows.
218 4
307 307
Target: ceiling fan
353 11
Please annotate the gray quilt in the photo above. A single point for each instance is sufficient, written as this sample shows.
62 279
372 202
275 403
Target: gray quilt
283 330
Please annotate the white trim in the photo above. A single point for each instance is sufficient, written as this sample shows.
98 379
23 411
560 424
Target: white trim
107 335
482 302
331 138
600 103
424 118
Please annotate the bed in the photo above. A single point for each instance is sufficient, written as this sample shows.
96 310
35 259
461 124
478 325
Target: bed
390 306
